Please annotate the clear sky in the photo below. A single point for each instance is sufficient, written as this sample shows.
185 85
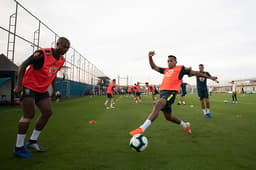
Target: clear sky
116 35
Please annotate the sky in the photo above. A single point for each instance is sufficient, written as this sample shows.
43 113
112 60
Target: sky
116 35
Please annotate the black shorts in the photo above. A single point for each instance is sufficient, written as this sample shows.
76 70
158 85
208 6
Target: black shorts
155 92
58 96
170 97
183 93
35 95
137 93
203 93
109 95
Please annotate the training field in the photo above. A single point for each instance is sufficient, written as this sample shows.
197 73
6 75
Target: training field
224 142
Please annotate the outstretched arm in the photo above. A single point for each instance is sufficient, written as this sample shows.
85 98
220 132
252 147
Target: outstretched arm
197 73
151 62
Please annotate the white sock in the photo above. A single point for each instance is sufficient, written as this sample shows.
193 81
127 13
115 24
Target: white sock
204 110
20 140
145 125
35 135
207 110
183 124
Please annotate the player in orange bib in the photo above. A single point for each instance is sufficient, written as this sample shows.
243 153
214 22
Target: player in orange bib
129 91
136 89
152 91
169 88
110 91
33 82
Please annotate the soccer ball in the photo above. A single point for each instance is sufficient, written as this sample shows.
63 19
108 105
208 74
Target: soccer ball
139 142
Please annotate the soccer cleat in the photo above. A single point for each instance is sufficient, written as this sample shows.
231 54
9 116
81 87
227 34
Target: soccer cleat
34 145
136 131
208 115
111 107
187 128
22 152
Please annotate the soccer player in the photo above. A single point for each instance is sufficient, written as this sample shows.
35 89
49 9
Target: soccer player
136 88
234 98
152 90
183 93
129 91
201 82
110 91
169 88
33 82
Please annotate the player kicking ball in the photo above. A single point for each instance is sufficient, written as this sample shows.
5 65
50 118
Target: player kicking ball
169 88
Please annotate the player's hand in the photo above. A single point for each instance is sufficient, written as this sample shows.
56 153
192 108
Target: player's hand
151 53
214 78
216 81
17 90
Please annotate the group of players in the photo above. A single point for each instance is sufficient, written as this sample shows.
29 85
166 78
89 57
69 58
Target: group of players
42 70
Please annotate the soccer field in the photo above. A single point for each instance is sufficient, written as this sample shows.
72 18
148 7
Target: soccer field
226 141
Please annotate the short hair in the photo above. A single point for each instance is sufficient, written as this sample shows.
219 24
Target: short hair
63 39
114 80
169 56
201 65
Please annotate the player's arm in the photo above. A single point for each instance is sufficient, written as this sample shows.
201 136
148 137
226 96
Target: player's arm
53 95
22 69
151 62
197 73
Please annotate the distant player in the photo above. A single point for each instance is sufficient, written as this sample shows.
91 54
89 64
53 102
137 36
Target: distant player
169 88
136 89
129 91
110 91
234 98
152 91
183 92
202 91
33 82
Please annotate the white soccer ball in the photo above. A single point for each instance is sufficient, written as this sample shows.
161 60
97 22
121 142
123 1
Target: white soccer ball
225 101
139 142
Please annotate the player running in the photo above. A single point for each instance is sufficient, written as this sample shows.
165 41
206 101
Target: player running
202 91
152 91
136 89
33 82
169 88
110 91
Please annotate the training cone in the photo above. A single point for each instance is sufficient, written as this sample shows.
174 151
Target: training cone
238 116
92 121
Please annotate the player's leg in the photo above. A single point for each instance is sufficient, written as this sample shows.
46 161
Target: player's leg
112 102
107 100
152 116
235 98
28 109
207 103
184 125
201 98
45 108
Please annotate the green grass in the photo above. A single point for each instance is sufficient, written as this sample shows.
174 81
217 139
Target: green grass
223 142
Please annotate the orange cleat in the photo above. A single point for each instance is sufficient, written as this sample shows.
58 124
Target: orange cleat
187 128
136 131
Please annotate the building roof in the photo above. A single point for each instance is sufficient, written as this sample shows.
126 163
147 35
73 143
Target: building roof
6 64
